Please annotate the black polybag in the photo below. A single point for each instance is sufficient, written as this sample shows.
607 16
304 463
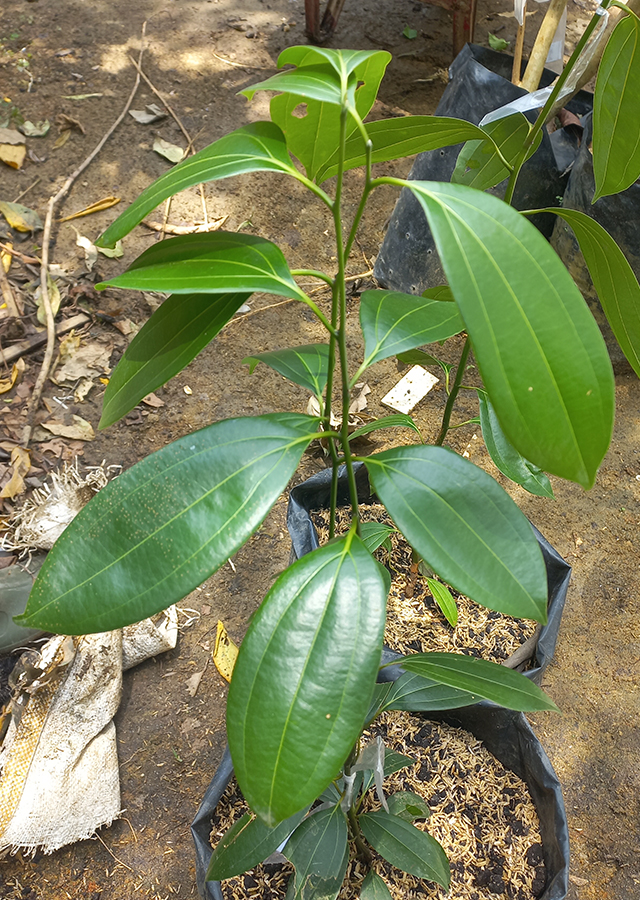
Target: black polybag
506 734
479 83
314 493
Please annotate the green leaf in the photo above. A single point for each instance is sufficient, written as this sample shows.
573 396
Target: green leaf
313 137
158 530
481 677
394 762
410 33
214 263
375 534
257 147
506 457
393 322
442 595
319 851
613 278
441 292
307 366
398 420
479 165
541 355
374 887
415 693
408 806
346 61
248 842
422 358
304 677
314 82
400 137
616 140
406 847
465 526
173 336
497 43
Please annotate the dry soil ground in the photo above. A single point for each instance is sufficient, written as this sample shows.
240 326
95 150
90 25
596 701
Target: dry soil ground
199 54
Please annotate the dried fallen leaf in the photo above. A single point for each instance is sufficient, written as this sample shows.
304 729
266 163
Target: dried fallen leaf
35 129
98 206
9 136
81 430
69 345
13 154
170 151
359 398
90 251
128 328
153 113
6 257
225 652
152 400
82 389
20 465
193 683
16 372
62 139
67 123
20 217
54 300
90 360
112 252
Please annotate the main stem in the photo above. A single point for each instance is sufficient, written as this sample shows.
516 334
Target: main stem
446 418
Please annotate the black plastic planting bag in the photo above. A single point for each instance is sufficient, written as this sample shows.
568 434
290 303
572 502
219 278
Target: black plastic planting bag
479 83
314 494
619 214
506 734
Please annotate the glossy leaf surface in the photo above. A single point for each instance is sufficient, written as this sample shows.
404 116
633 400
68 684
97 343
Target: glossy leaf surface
174 335
541 355
616 139
257 147
166 524
313 137
398 420
304 677
400 137
465 526
481 677
375 534
374 887
307 365
613 278
506 457
442 595
406 847
393 322
415 693
346 61
248 842
479 165
318 850
314 82
214 263
394 762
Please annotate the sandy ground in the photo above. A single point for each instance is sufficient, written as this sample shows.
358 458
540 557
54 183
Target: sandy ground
200 54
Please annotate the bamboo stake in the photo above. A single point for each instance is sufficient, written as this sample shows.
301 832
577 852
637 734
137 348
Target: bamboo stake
517 52
543 42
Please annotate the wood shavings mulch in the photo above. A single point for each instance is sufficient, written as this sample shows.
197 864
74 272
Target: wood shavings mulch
415 624
481 813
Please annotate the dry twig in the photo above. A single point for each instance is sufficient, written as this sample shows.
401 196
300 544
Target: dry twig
44 271
165 104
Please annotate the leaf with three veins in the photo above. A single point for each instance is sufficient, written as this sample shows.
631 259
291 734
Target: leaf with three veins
393 322
506 457
613 278
307 365
406 847
257 147
479 165
318 82
464 525
374 887
161 528
442 596
248 842
214 263
305 675
482 678
398 420
319 851
400 137
408 806
375 534
313 137
173 336
415 693
539 350
616 139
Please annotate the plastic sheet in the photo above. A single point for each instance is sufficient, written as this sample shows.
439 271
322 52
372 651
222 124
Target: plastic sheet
479 84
